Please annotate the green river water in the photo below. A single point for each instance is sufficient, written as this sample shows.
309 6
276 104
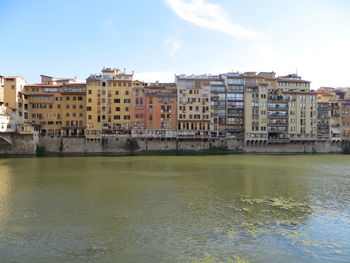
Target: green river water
203 209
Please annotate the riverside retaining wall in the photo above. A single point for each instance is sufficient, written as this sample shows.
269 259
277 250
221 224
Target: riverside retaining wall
127 145
12 144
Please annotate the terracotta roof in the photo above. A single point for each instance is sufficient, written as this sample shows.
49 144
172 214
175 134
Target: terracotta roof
43 85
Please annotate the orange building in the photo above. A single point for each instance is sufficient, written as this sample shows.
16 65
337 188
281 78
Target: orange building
58 108
154 110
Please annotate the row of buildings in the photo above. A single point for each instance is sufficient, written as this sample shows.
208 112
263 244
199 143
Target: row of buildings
253 107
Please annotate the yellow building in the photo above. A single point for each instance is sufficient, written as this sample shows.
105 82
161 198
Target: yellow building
45 107
13 86
108 103
73 109
15 100
58 108
1 90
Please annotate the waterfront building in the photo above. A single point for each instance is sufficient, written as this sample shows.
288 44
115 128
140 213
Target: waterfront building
345 119
234 119
278 109
256 108
154 110
161 110
218 105
323 120
58 106
49 80
108 105
334 99
15 102
302 107
256 87
73 109
193 106
7 121
138 115
2 80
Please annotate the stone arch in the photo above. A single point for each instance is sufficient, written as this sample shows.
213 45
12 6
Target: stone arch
5 141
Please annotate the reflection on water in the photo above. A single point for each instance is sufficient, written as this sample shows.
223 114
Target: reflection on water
175 209
5 188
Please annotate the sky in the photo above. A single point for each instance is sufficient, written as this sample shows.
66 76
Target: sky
160 38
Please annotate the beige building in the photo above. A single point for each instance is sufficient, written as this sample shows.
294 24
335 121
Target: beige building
335 101
16 102
256 88
108 105
193 106
278 109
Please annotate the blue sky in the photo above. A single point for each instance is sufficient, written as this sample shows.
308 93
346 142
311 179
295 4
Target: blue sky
158 38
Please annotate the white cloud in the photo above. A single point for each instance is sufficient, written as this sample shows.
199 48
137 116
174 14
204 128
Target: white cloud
166 76
211 16
111 28
173 44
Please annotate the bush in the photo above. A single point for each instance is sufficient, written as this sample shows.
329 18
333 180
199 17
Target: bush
132 145
40 150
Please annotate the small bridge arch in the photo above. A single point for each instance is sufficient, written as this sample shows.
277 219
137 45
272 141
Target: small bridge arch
5 140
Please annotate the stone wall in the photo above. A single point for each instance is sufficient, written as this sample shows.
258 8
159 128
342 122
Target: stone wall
12 144
296 147
27 144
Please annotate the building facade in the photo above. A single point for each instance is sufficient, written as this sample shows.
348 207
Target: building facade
58 106
193 106
108 105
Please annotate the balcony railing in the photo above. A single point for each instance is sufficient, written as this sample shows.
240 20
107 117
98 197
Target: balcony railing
276 115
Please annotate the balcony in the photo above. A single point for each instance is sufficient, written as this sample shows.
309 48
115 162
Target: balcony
278 108
278 129
280 99
278 123
278 115
279 140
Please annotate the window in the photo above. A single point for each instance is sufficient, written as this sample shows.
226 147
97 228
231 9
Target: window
127 117
117 108
116 100
89 91
126 100
116 117
88 109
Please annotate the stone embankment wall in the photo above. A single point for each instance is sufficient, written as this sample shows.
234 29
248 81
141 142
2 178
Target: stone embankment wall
296 147
125 145
20 144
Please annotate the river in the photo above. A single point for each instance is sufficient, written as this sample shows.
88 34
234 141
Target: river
234 208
